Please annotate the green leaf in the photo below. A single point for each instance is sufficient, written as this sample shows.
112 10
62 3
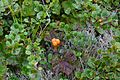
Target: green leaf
67 5
40 14
105 13
100 30
91 62
2 70
67 11
56 8
17 38
8 43
37 6
50 56
97 78
78 74
78 1
89 73
28 52
26 20
117 45
16 7
78 54
17 51
28 8
1 31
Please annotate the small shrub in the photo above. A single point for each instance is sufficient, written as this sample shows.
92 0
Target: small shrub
86 33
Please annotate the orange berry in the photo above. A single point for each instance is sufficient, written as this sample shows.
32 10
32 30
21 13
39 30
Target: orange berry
58 41
54 44
53 40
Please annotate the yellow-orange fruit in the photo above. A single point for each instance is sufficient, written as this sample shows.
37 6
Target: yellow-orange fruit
58 41
55 42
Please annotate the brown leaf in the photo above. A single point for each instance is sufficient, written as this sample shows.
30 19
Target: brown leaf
63 67
66 68
70 57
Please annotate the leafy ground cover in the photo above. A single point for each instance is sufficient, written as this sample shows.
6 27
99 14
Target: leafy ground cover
59 40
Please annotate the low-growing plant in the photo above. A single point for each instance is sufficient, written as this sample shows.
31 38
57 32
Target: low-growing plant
59 40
